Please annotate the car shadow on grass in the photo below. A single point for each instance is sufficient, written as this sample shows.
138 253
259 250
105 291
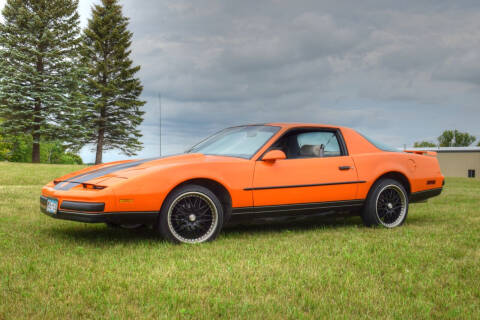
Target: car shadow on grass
101 235
298 225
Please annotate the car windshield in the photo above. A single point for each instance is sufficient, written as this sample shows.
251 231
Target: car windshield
242 142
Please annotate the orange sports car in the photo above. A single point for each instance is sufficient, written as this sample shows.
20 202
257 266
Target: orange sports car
247 172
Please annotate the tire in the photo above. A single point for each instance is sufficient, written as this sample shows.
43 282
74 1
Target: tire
386 205
190 214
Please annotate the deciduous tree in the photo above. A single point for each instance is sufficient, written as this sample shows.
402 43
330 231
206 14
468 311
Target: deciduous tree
424 144
455 138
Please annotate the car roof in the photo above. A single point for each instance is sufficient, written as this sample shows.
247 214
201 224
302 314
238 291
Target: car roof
300 124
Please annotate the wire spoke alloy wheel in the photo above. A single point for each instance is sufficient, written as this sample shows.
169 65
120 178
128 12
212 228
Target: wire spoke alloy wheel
192 217
391 206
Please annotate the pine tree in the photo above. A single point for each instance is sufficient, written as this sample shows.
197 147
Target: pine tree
114 112
40 71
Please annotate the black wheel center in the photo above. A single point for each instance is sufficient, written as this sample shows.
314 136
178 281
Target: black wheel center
192 217
389 206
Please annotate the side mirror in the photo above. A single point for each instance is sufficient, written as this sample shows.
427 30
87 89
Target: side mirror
273 155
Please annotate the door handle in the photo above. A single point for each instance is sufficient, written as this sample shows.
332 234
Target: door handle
344 168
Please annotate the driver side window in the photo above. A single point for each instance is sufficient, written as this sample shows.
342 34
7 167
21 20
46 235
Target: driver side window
309 144
322 144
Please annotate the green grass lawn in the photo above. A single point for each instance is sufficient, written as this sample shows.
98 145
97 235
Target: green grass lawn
429 268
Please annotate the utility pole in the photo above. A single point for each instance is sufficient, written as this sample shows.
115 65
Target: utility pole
160 124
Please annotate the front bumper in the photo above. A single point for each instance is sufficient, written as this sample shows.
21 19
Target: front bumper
89 212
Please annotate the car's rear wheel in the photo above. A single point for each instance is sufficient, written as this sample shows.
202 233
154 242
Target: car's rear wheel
191 214
386 205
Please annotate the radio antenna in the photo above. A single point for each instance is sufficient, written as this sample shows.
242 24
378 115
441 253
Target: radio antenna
160 123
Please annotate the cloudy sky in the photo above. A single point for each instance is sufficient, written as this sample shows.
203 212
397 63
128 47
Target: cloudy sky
399 71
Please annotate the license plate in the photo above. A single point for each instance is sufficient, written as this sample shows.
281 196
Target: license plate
52 205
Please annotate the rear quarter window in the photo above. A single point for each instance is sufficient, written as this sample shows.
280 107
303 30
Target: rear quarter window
379 145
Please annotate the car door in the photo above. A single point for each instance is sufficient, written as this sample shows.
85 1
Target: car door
317 169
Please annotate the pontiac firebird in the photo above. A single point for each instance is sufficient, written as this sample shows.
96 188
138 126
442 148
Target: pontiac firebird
248 172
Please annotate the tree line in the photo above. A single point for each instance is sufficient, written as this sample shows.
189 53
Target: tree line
61 87
449 138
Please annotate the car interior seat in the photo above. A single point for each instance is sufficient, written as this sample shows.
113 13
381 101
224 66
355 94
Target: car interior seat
311 150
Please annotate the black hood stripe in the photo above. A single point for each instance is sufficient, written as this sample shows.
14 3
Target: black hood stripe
87 176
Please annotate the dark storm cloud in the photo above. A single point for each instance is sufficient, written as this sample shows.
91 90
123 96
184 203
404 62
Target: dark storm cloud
397 70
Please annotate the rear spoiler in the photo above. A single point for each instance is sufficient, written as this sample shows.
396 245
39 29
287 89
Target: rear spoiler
423 153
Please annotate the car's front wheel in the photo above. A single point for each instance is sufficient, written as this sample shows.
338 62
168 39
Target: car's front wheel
191 214
386 205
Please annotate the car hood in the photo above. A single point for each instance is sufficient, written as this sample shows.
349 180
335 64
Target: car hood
109 173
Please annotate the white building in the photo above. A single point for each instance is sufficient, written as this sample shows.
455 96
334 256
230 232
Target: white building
457 161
